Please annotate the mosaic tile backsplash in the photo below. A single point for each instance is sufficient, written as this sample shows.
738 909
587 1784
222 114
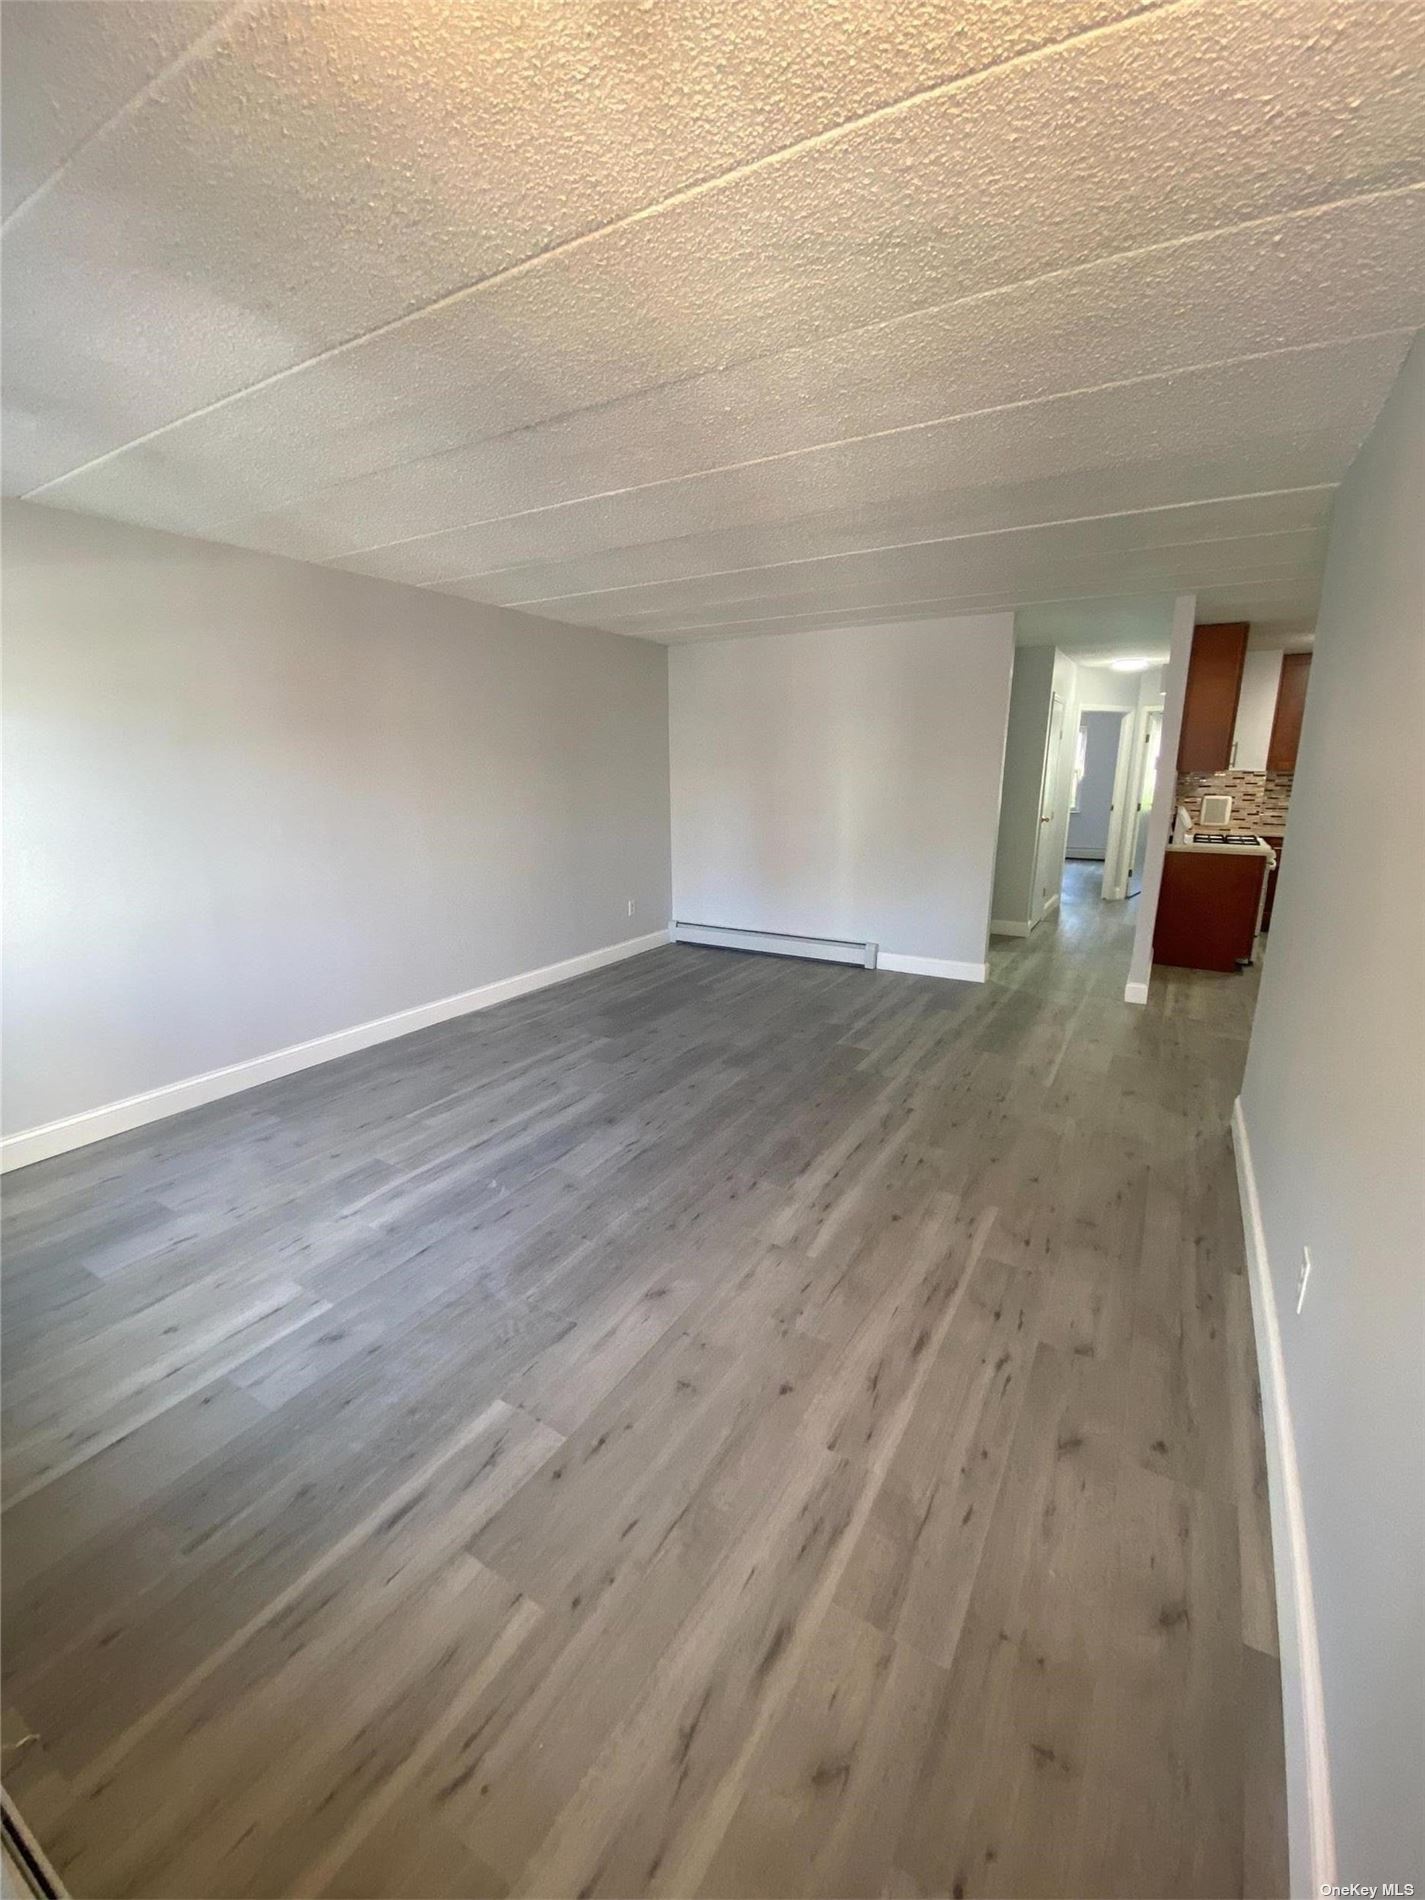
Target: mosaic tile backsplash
1259 799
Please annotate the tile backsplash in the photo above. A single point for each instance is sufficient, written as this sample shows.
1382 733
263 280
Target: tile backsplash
1259 799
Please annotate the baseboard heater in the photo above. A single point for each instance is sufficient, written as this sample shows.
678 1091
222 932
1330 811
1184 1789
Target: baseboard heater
778 943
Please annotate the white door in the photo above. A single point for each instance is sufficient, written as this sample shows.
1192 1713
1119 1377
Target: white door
1048 873
1147 780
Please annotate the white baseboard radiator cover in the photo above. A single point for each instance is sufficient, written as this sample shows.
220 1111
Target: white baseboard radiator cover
778 943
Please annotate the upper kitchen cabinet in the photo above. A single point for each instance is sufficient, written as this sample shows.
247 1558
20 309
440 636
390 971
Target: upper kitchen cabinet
1214 683
1291 704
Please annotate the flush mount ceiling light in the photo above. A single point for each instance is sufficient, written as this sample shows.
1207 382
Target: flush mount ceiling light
1130 666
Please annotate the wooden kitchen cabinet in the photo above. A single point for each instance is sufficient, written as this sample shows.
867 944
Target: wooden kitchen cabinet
1276 841
1291 704
1207 909
1214 684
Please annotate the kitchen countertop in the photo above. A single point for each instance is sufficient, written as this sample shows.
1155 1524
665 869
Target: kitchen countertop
1262 850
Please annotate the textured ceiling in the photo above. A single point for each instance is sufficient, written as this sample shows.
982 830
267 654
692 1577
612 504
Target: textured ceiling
697 318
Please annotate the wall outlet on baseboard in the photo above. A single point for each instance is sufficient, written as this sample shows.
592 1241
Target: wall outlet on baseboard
1302 1277
632 906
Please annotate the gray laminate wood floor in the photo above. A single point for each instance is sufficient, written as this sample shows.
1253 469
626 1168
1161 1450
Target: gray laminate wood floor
721 1426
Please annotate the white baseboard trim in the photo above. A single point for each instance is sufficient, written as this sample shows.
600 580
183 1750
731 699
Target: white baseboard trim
934 966
116 1118
1005 927
1135 992
1310 1829
1051 904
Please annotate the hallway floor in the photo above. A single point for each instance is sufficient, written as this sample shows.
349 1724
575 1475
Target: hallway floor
1084 949
722 1425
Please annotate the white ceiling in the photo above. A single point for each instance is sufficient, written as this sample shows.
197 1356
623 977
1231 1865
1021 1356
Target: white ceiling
714 317
1095 631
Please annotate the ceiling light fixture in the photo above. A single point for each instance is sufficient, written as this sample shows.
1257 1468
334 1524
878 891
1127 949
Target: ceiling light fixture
1130 666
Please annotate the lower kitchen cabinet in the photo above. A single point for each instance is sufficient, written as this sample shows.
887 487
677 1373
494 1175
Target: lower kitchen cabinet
1207 909
1276 842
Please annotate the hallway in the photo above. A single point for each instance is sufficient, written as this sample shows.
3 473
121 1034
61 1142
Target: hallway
1083 950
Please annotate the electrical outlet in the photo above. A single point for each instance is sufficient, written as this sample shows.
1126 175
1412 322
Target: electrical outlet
1303 1277
632 905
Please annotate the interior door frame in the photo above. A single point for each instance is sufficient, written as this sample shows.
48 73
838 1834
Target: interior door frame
1115 876
1039 905
1140 813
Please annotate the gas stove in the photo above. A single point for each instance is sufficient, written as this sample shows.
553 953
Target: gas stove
1244 843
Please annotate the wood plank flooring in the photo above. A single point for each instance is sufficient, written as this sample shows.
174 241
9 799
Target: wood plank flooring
721 1426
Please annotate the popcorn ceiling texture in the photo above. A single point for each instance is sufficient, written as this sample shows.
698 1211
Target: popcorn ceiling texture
1259 799
715 317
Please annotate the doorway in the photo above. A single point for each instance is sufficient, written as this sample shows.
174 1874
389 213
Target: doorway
1100 789
1116 745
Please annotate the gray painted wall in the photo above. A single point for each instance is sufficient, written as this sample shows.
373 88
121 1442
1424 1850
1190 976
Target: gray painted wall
843 783
251 801
1334 1104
